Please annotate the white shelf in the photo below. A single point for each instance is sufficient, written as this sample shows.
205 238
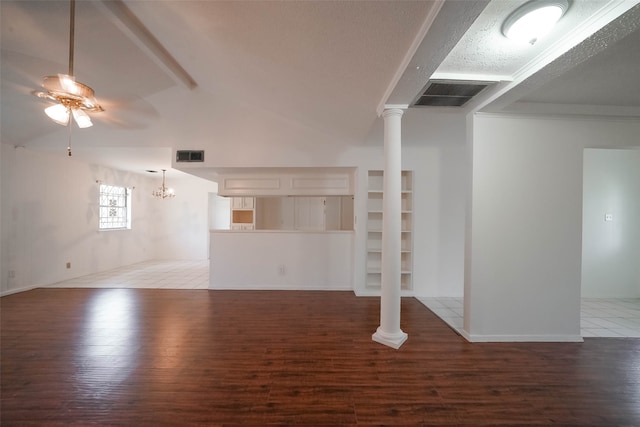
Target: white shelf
378 250
380 212
381 192
374 230
379 271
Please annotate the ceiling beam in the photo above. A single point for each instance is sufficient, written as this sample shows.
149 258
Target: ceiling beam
446 23
139 34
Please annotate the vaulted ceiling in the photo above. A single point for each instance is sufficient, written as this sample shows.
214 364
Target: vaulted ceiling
196 73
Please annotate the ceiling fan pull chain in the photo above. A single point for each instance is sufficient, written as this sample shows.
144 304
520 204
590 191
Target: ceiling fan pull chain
69 145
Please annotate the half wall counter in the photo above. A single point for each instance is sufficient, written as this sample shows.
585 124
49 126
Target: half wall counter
281 259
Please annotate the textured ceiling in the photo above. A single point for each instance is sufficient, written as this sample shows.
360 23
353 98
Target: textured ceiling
485 51
595 77
609 78
571 66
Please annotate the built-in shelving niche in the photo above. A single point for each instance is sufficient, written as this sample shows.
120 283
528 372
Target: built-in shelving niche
374 230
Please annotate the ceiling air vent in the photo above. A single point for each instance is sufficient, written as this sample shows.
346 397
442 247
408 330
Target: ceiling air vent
449 93
190 156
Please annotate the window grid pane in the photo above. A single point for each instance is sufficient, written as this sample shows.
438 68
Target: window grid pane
114 209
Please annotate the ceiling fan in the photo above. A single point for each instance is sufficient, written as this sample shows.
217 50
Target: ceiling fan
70 97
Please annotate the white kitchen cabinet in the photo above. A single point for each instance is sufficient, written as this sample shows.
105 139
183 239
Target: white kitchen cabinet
243 213
242 202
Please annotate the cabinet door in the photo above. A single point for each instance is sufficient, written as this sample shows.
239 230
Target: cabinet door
332 213
247 202
237 202
242 202
309 213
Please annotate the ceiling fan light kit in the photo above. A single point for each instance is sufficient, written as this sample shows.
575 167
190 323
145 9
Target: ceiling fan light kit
58 113
533 20
72 98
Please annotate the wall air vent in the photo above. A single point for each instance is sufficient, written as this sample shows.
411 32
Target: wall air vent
449 93
190 156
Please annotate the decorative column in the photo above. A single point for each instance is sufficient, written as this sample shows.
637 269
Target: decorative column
389 332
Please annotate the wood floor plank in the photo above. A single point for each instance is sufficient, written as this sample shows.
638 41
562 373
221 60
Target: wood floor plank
217 358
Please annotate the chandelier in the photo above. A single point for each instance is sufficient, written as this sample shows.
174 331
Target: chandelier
71 97
163 192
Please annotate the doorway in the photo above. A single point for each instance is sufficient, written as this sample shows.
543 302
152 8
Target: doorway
611 243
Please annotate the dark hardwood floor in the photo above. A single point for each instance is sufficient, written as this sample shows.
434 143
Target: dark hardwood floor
141 357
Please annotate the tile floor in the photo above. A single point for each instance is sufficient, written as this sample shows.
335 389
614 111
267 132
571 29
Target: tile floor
598 317
149 274
610 317
448 309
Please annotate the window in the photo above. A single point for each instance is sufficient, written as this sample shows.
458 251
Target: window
115 207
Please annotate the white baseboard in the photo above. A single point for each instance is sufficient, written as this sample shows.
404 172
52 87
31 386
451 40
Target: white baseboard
261 287
520 338
16 291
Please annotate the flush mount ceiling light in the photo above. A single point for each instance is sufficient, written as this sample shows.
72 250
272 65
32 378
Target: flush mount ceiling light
163 192
533 20
71 98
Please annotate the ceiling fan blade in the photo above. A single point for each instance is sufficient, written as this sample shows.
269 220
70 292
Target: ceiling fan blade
126 113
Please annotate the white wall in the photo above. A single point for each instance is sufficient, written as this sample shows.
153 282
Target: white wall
281 260
611 249
433 147
438 215
184 232
219 212
49 217
3 228
526 224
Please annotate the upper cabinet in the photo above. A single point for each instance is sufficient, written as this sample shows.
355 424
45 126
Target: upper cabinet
242 202
287 182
